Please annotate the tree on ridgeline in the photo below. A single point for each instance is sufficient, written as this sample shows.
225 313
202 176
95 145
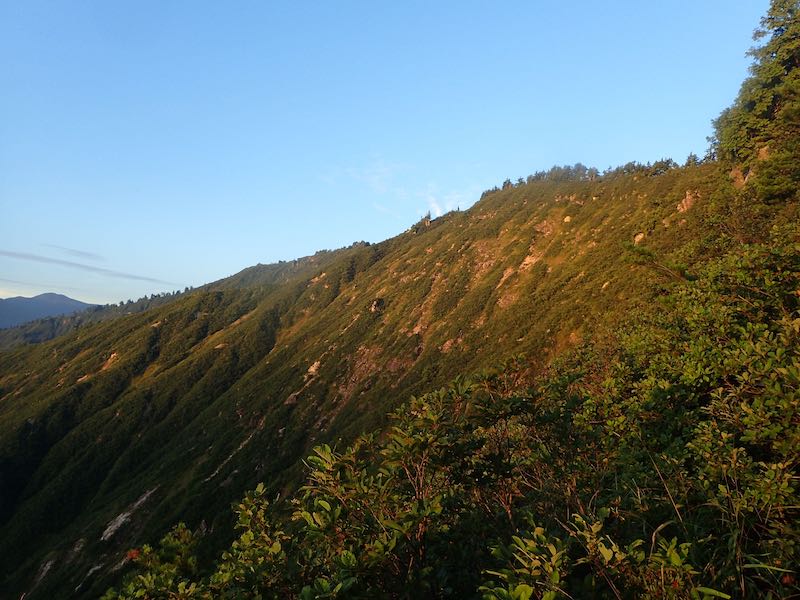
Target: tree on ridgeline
761 130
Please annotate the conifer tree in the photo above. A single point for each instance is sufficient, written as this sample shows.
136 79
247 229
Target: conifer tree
764 120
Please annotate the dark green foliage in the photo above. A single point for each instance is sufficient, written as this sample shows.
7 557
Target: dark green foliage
760 131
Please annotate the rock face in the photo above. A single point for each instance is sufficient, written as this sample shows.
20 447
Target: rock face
377 305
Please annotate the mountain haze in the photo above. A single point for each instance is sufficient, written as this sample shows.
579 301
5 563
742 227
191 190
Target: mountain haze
46 328
18 310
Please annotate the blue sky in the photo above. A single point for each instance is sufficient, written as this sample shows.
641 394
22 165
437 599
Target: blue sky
147 146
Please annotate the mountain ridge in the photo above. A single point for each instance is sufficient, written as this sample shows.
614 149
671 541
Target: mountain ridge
285 356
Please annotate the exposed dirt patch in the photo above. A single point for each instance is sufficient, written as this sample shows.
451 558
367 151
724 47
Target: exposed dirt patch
110 361
508 299
125 516
533 257
506 274
481 216
43 570
399 365
545 227
486 253
688 201
351 323
308 379
76 549
450 344
361 366
737 177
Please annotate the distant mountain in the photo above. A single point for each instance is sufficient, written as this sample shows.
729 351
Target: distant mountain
47 328
18 310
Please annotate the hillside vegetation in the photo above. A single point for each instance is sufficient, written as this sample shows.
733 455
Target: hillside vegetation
641 439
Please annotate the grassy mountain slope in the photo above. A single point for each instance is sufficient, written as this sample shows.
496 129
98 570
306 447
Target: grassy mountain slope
111 434
657 460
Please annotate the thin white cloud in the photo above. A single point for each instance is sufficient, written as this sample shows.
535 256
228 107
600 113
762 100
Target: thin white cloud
387 181
74 252
439 203
386 210
83 267
379 176
433 205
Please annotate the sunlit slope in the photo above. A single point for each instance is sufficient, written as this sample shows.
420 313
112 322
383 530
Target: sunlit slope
113 433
